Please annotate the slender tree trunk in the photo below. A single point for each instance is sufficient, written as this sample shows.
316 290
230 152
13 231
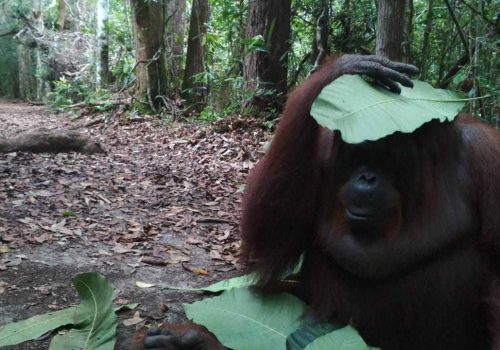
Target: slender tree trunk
41 68
150 72
346 44
322 32
267 70
408 40
61 15
237 48
194 86
27 81
102 61
390 29
176 26
426 49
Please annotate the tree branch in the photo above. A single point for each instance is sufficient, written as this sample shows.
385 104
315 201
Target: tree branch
10 33
477 12
465 59
457 25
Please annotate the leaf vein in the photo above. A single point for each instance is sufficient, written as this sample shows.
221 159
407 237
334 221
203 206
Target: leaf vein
263 325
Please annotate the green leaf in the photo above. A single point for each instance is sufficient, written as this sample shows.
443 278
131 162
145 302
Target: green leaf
34 327
95 320
245 321
309 330
343 339
126 307
246 280
235 282
362 111
256 41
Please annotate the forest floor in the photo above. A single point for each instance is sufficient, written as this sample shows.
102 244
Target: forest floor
162 194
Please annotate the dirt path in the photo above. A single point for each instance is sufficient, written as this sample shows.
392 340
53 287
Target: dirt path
169 193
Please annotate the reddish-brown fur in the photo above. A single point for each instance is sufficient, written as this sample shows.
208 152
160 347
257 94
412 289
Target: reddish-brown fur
430 281
450 301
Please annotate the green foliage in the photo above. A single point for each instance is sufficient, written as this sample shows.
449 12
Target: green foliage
93 321
9 73
10 22
446 49
68 213
62 94
123 69
140 108
225 54
257 43
121 44
351 29
255 322
209 115
271 322
36 326
235 282
67 92
353 26
221 286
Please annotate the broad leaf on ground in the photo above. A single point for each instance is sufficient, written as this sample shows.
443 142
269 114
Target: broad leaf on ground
34 327
243 320
362 111
235 282
95 320
346 338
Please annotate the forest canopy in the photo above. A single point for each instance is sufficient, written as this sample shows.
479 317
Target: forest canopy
222 57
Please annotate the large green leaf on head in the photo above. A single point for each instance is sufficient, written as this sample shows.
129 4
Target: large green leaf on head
362 111
243 320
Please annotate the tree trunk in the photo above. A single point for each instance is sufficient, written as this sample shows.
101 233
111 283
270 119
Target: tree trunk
390 29
424 65
322 33
408 37
41 68
27 80
176 26
61 15
150 72
102 61
194 86
267 70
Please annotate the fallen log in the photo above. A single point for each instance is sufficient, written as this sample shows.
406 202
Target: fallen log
61 141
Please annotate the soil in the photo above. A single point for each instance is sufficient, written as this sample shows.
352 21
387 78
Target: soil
167 192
